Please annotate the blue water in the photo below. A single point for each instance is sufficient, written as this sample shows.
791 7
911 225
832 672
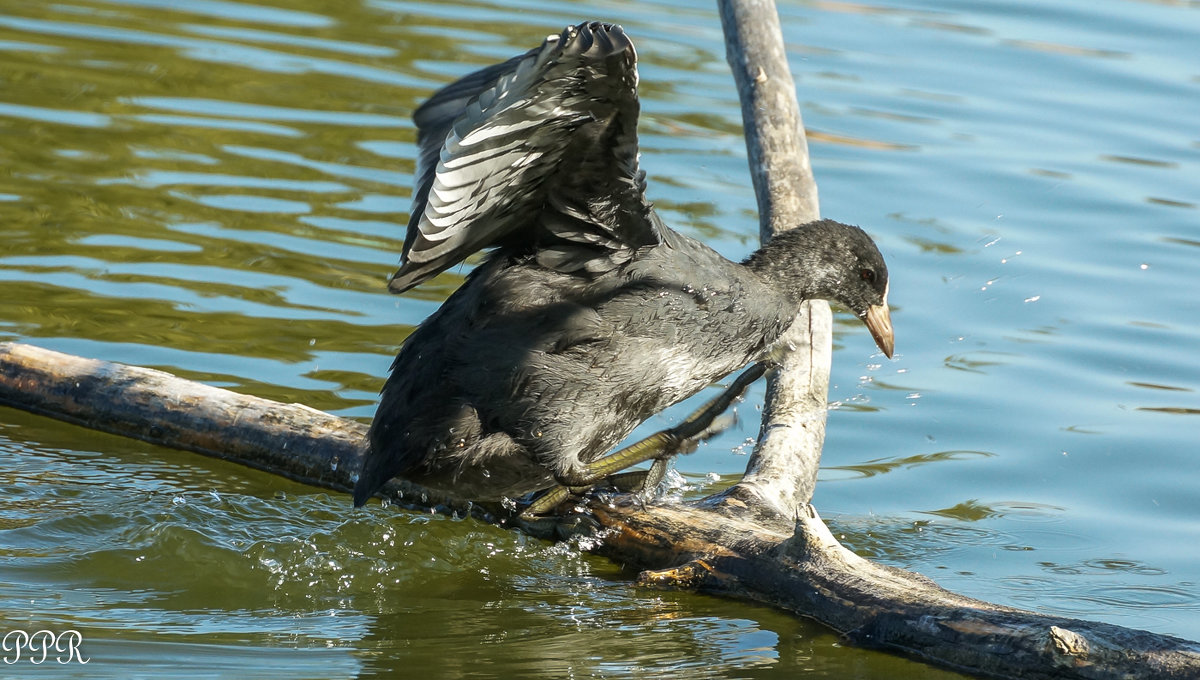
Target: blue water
1040 217
218 190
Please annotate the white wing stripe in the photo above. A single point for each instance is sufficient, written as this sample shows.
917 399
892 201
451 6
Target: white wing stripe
489 131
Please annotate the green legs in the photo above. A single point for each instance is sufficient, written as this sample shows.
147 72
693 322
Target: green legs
658 447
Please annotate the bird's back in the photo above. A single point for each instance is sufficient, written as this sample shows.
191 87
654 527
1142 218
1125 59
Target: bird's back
528 369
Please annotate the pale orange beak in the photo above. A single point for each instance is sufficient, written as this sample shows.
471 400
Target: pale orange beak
879 322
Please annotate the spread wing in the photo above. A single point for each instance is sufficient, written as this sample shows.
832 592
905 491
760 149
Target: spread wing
538 152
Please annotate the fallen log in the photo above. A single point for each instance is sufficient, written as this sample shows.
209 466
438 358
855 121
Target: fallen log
719 545
760 540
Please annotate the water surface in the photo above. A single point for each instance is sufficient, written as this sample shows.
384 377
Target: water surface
217 189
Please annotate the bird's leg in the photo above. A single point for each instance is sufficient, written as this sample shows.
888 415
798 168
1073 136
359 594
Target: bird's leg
670 441
636 481
546 502
658 447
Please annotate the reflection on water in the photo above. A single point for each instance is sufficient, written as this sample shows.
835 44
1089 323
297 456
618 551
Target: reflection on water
217 189
881 467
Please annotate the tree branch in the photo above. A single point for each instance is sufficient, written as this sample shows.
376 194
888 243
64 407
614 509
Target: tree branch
781 474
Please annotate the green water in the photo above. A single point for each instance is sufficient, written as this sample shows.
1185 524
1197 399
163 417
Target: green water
217 189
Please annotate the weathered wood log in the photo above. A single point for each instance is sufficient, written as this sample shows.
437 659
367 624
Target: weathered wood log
290 440
797 566
802 568
761 540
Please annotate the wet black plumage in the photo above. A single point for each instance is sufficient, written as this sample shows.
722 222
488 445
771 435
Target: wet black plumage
590 315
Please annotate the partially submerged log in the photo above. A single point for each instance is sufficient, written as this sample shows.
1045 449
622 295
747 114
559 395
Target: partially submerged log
759 540
709 546
802 568
290 440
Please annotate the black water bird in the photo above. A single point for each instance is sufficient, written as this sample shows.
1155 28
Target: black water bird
589 315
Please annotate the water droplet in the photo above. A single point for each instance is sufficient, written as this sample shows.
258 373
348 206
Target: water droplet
1143 266
745 447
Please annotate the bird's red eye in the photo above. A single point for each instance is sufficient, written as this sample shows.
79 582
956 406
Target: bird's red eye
868 275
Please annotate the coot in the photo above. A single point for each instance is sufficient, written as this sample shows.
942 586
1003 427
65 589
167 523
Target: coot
589 315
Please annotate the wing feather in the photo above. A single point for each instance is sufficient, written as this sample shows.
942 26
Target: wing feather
539 151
